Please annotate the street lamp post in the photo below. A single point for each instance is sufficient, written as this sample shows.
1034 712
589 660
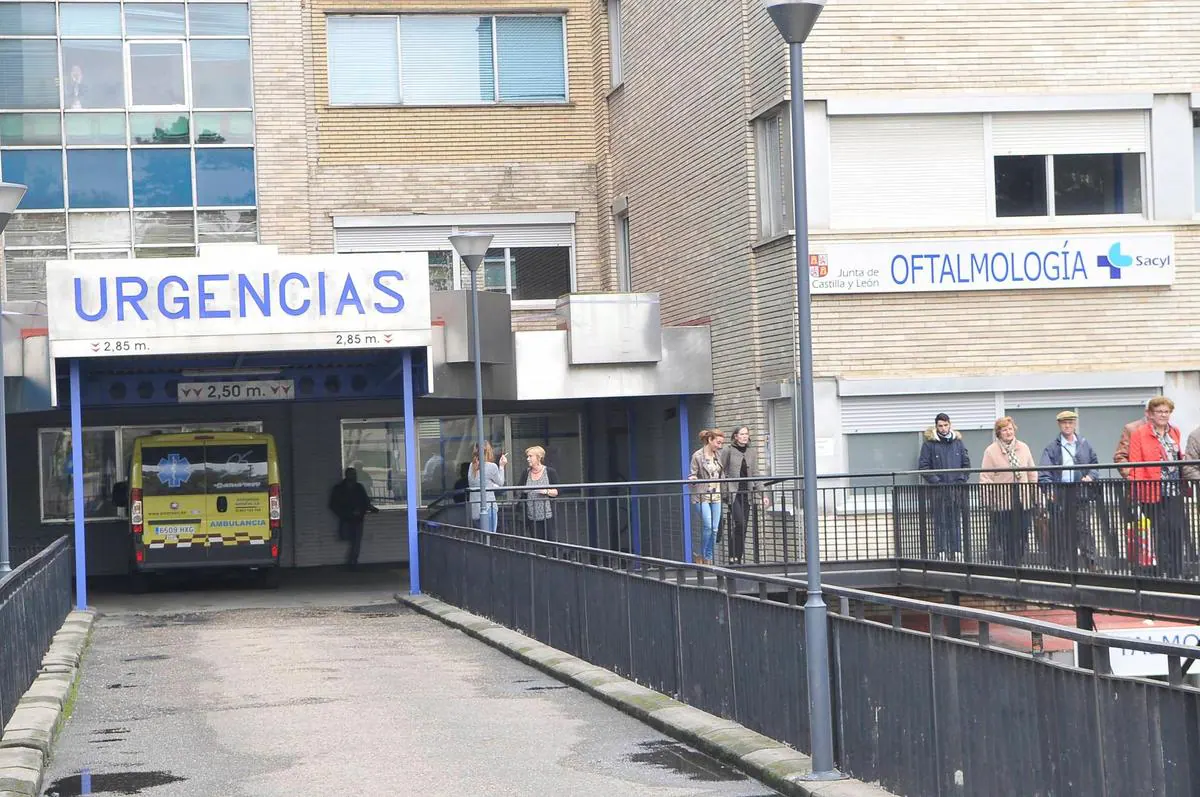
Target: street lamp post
472 247
10 197
795 20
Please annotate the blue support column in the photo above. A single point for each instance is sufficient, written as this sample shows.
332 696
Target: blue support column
77 488
685 469
410 477
635 510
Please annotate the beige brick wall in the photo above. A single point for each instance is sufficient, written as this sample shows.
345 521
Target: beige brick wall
985 46
452 135
316 162
681 153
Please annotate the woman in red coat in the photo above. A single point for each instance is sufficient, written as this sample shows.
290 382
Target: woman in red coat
1158 488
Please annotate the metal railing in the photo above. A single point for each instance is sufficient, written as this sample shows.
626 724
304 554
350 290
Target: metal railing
35 598
1103 525
939 712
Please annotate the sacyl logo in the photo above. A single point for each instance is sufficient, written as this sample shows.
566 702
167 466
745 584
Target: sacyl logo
1114 261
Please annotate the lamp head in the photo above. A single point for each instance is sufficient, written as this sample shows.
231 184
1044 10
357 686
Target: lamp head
10 197
471 247
795 18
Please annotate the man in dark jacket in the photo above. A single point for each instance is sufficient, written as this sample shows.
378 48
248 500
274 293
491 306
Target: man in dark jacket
944 449
1067 493
350 502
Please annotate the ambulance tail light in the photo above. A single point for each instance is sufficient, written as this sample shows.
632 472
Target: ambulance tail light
274 510
274 550
135 510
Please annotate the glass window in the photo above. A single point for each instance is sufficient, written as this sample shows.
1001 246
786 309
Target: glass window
159 128
540 273
90 19
165 251
25 271
495 270
28 74
225 128
161 227
154 19
1093 185
531 59
376 450
237 468
1021 186
364 66
99 229
446 59
98 178
27 19
36 229
624 261
95 128
444 448
221 74
57 473
558 434
187 468
614 42
156 73
112 254
30 130
227 226
772 143
1196 154
441 271
41 171
93 74
224 177
162 178
218 19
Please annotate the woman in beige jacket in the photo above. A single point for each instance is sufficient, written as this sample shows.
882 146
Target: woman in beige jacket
1008 491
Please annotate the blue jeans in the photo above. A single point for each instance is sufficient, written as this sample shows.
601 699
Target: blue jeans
490 517
710 521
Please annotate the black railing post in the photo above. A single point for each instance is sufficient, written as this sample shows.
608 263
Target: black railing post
923 517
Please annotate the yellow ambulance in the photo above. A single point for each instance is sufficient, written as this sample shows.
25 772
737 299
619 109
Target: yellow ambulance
202 500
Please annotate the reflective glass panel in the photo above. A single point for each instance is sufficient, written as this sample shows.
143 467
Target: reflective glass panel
90 19
98 178
224 177
159 128
154 19
162 178
30 130
26 19
95 128
28 74
156 73
93 74
221 74
41 171
236 127
218 19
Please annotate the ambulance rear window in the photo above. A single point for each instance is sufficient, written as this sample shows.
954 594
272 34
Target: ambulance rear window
237 468
172 470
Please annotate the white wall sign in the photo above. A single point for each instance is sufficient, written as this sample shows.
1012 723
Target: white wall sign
993 264
256 390
1136 663
241 302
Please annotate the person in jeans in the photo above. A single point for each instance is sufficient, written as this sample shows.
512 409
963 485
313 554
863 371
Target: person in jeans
944 449
706 495
483 499
1159 488
737 462
537 508
350 502
1067 492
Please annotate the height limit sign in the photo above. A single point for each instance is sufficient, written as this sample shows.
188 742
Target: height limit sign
259 390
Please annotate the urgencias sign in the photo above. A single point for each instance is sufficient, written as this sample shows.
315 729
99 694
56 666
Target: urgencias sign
241 303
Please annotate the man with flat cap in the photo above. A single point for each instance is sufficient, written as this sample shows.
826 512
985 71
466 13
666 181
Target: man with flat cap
1066 487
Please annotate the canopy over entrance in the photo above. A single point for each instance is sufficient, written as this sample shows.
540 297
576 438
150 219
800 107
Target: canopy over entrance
249 325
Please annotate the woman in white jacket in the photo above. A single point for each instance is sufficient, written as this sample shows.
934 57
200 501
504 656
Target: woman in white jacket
493 478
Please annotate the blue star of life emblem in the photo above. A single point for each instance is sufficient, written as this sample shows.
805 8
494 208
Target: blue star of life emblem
174 470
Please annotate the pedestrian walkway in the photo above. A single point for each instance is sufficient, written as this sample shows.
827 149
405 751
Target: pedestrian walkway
368 698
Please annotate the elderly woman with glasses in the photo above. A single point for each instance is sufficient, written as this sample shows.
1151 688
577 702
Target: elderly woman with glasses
1157 485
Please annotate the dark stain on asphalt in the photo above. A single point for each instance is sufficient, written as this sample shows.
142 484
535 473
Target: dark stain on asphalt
152 657
121 686
543 688
127 783
109 731
686 761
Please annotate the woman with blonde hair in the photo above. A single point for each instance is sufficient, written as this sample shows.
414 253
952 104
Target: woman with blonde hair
483 501
1007 484
706 495
1158 488
538 511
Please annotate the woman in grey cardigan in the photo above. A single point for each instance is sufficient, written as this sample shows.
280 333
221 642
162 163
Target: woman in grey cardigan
737 462
493 477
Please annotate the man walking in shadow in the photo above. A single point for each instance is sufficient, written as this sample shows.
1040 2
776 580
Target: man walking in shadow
350 502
